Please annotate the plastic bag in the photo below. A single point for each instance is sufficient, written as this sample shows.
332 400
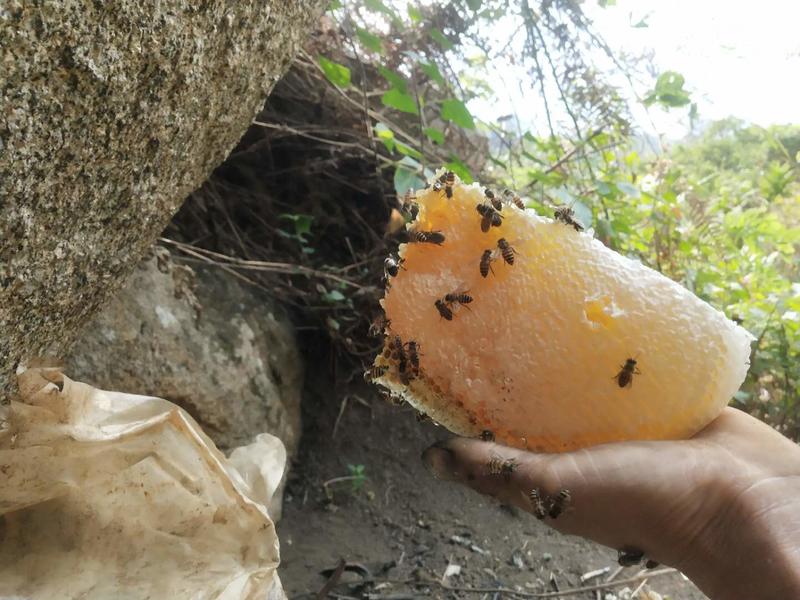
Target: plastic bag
111 495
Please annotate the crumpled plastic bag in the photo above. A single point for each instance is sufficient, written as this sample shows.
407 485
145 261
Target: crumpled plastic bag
109 495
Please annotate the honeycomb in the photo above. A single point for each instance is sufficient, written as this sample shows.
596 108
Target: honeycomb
540 351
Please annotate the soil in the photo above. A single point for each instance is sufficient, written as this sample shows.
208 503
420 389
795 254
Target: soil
403 525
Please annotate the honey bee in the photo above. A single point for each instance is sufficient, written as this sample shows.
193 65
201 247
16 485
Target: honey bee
378 325
449 182
487 258
413 356
457 298
484 209
559 503
392 266
427 237
392 398
627 371
502 466
628 557
490 217
402 369
513 198
496 204
537 503
487 436
506 250
566 215
410 204
444 310
396 348
375 372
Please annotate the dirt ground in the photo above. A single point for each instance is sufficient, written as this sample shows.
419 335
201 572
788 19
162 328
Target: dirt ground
402 525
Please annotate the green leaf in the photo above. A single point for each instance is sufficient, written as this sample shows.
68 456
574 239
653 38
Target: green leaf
337 74
474 4
408 150
435 135
497 162
385 135
406 176
628 189
604 230
547 179
379 7
455 111
414 14
632 158
603 188
460 169
532 157
302 224
440 39
395 79
334 5
669 91
394 98
333 296
432 71
369 40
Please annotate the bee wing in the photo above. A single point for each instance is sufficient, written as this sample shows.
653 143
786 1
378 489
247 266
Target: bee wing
514 243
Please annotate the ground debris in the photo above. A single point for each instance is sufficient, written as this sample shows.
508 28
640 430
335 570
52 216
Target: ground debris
388 443
517 560
595 573
467 543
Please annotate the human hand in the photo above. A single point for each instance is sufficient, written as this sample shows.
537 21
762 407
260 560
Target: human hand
722 507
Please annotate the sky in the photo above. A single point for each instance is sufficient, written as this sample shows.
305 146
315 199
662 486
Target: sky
739 58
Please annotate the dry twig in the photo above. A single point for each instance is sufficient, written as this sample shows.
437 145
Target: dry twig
332 580
257 265
562 593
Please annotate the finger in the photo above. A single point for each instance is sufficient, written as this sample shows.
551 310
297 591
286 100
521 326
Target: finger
480 465
617 491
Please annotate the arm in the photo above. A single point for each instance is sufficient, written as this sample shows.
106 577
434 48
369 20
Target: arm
723 507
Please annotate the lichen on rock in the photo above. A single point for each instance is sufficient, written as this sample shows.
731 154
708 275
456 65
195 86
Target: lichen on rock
110 114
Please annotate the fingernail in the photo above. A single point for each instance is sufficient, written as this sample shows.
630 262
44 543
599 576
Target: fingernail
440 461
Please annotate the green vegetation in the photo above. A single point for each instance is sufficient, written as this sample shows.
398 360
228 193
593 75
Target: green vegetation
719 213
354 481
359 477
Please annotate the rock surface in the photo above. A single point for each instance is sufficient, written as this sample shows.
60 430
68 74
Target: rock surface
214 346
110 113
